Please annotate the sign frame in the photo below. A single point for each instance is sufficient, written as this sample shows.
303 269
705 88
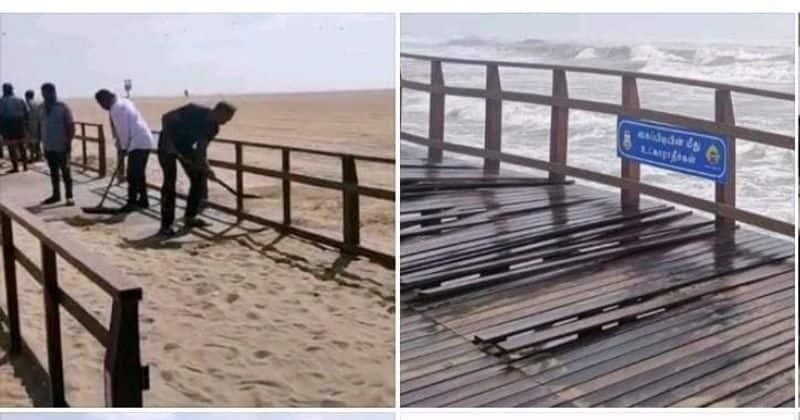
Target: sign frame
716 139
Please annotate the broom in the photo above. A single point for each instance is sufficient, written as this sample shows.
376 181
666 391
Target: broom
99 209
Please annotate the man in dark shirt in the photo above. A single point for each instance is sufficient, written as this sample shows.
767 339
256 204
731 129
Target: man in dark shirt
58 130
185 135
14 126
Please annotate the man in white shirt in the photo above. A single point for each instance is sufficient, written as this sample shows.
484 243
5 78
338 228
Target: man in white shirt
134 139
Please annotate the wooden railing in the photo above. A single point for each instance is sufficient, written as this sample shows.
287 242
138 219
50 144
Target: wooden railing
351 189
724 205
349 186
125 377
82 133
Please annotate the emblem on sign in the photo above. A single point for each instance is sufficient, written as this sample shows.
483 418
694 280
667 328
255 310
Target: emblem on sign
712 155
626 140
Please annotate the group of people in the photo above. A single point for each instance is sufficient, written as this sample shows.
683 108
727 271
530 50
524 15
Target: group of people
21 127
27 126
186 133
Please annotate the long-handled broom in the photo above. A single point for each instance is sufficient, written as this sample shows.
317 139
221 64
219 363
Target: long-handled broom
214 178
99 209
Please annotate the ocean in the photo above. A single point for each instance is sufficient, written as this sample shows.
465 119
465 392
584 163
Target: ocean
765 174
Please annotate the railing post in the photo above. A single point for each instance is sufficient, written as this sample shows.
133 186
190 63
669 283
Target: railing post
493 127
239 183
125 377
436 112
559 118
350 204
55 365
287 188
630 170
83 146
10 269
725 194
101 151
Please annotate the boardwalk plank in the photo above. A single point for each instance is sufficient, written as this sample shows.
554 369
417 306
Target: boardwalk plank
553 295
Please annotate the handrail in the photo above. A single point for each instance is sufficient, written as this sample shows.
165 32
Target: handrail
608 72
349 185
126 378
350 241
724 206
364 158
100 140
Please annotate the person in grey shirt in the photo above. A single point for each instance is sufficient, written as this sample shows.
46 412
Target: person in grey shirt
13 126
34 127
58 130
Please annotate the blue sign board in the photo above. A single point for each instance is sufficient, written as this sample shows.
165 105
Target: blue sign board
675 148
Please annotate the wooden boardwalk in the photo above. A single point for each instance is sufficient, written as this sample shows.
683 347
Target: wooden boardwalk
520 292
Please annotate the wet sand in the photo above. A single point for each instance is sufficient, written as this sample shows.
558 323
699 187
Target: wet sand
244 317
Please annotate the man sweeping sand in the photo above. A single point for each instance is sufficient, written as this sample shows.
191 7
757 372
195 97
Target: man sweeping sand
185 136
134 140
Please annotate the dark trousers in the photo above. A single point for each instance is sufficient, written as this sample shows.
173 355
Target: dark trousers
137 177
35 148
169 166
58 162
16 151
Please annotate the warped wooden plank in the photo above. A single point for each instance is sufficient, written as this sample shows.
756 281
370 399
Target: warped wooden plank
577 302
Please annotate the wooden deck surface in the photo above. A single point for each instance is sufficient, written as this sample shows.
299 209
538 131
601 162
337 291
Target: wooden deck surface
518 292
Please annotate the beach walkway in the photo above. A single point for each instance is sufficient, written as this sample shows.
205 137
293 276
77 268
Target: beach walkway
235 314
521 292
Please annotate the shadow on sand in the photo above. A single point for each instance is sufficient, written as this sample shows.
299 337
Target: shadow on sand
31 374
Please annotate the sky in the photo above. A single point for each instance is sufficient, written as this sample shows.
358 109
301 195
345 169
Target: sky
196 416
205 53
729 28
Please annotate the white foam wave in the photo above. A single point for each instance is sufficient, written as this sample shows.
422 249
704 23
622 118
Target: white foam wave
586 54
650 53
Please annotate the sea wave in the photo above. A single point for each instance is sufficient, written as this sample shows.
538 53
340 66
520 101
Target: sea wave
764 173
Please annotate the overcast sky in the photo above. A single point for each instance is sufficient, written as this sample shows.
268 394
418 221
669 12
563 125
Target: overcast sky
195 416
165 54
732 28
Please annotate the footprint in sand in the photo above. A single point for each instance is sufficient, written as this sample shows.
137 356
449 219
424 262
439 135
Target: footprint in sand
232 297
262 354
167 376
343 345
230 352
202 289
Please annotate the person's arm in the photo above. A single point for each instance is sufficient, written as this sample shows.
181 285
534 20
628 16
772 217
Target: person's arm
119 123
169 125
25 116
69 125
201 149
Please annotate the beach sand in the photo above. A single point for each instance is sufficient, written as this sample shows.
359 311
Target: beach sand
247 318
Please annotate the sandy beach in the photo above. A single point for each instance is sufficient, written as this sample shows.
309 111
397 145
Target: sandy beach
248 318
